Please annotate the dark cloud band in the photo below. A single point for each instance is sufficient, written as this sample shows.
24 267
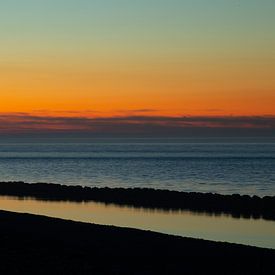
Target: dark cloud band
150 125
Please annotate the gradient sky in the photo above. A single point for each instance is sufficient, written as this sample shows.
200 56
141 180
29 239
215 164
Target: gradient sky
164 58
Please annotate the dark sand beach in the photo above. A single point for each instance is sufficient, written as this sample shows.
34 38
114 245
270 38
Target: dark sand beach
40 245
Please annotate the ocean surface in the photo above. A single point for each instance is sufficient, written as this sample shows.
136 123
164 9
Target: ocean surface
177 164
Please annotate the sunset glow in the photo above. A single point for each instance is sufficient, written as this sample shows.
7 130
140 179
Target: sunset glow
147 58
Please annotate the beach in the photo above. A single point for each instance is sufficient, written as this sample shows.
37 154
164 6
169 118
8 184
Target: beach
42 245
45 245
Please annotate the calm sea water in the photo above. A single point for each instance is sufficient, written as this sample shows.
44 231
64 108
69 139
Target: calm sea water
222 167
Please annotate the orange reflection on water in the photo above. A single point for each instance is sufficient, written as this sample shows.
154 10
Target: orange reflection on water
184 223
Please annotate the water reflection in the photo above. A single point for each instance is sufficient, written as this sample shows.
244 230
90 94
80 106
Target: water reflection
217 227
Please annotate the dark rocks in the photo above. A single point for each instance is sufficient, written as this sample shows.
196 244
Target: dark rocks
235 205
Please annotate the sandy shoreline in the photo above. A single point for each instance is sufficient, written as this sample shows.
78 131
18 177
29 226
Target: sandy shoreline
31 243
43 245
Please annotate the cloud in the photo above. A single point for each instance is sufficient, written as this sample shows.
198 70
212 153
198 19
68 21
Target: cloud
138 124
141 110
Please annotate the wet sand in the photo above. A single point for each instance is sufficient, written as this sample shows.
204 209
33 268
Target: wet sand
41 245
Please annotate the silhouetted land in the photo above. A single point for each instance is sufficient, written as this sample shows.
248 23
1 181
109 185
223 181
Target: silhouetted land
40 245
235 205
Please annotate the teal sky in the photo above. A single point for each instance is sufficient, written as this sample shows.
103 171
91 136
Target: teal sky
141 27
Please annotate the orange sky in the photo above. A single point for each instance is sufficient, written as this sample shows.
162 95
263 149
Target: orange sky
100 59
205 87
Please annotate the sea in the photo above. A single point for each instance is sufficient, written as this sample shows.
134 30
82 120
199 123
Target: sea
225 166
222 165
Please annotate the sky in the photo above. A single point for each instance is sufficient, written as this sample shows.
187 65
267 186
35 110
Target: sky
134 66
